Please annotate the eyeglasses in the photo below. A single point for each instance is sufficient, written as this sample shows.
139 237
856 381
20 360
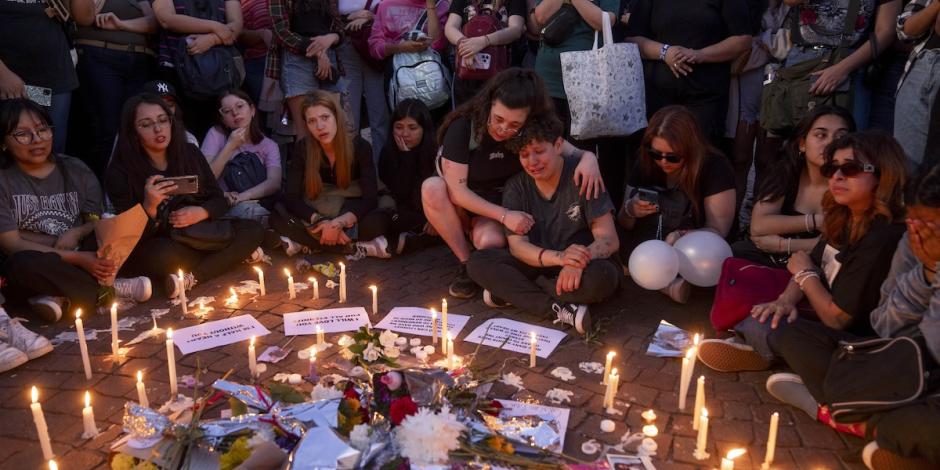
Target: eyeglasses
236 109
504 130
657 155
150 124
25 137
849 169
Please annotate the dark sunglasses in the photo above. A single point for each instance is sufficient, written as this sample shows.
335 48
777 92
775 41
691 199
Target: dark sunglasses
657 155
849 169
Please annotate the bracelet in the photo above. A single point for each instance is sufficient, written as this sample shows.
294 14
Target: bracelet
806 222
814 222
803 280
662 52
789 251
503 218
542 264
626 209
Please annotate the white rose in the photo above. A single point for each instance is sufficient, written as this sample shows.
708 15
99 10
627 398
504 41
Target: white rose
359 436
371 353
391 352
387 339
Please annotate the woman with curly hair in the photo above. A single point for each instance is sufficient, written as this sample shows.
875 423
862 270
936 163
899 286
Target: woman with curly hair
841 277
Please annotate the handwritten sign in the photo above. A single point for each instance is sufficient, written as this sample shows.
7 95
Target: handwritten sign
334 320
218 333
518 334
417 321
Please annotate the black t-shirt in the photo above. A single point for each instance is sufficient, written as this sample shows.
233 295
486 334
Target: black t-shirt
311 18
693 24
467 8
490 163
675 207
855 273
563 219
403 173
34 46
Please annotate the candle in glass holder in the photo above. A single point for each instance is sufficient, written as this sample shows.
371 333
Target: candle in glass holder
171 363
292 293
342 283
260 280
701 443
433 326
141 391
41 429
88 419
316 287
252 360
771 441
182 288
83 346
532 346
727 462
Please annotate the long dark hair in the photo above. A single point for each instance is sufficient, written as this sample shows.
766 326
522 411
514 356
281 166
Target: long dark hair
417 110
788 169
514 87
881 150
678 126
255 135
10 112
927 192
131 153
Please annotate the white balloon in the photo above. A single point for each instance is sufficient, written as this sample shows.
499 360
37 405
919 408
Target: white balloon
701 254
653 264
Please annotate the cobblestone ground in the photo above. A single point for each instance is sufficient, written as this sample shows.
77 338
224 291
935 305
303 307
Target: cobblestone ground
738 403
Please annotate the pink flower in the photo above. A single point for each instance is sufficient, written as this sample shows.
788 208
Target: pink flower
392 380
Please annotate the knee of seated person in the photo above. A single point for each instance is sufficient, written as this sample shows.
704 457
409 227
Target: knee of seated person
250 229
483 259
32 261
602 280
434 193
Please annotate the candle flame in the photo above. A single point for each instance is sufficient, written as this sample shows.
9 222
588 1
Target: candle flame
34 394
735 453
252 341
78 313
232 290
532 336
180 273
140 376
169 333
704 412
114 306
611 354
449 338
87 399
341 265
313 354
373 289
650 430
258 270
696 339
53 465
287 272
613 372
433 313
313 280
690 354
443 301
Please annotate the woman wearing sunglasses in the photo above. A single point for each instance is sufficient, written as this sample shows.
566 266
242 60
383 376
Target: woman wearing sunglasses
842 276
679 184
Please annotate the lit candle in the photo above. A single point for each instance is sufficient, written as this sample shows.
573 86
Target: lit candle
650 429
611 388
696 339
115 346
41 429
53 465
685 377
232 300
342 283
321 338
312 375
727 463
450 351
261 280
433 326
444 325
171 362
532 343
375 299
699 401
141 391
316 287
292 294
702 442
771 441
607 365
82 344
252 361
182 289
88 419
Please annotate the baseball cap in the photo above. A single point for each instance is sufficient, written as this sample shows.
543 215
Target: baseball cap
161 88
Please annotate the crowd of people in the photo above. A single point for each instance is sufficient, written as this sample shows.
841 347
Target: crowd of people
379 127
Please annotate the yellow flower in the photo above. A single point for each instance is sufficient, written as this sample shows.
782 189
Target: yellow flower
499 444
122 462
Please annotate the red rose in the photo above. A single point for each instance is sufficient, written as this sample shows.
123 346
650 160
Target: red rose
494 408
402 408
351 392
808 16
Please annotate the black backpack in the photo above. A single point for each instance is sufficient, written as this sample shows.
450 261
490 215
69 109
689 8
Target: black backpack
206 76
243 172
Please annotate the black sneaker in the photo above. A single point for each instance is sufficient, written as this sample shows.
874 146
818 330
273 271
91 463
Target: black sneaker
462 287
576 315
492 301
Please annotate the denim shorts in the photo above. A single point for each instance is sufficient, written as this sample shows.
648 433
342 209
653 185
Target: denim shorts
299 75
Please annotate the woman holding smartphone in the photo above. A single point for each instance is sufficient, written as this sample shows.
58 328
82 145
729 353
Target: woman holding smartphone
152 151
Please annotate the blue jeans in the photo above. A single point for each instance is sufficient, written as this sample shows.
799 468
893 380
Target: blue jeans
108 79
755 335
360 81
59 112
912 108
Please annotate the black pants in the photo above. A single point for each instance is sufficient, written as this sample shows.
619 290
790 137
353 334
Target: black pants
30 273
159 256
372 225
514 281
748 250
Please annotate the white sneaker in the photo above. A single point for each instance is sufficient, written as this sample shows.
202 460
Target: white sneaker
789 388
48 307
13 333
173 284
11 357
137 289
377 248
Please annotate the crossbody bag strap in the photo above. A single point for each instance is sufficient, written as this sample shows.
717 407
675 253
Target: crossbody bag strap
847 30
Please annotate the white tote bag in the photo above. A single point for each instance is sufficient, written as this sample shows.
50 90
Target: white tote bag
605 88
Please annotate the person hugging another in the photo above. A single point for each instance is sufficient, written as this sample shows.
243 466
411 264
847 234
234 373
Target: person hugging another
564 261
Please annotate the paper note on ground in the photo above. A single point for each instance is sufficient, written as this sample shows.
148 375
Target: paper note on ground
518 334
515 408
334 320
417 321
218 333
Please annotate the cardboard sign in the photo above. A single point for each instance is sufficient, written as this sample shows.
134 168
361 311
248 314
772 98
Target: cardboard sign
334 320
218 333
518 334
417 321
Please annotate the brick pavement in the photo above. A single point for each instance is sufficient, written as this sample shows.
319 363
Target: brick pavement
739 405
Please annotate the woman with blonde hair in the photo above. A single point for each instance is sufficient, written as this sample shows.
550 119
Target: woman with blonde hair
331 196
